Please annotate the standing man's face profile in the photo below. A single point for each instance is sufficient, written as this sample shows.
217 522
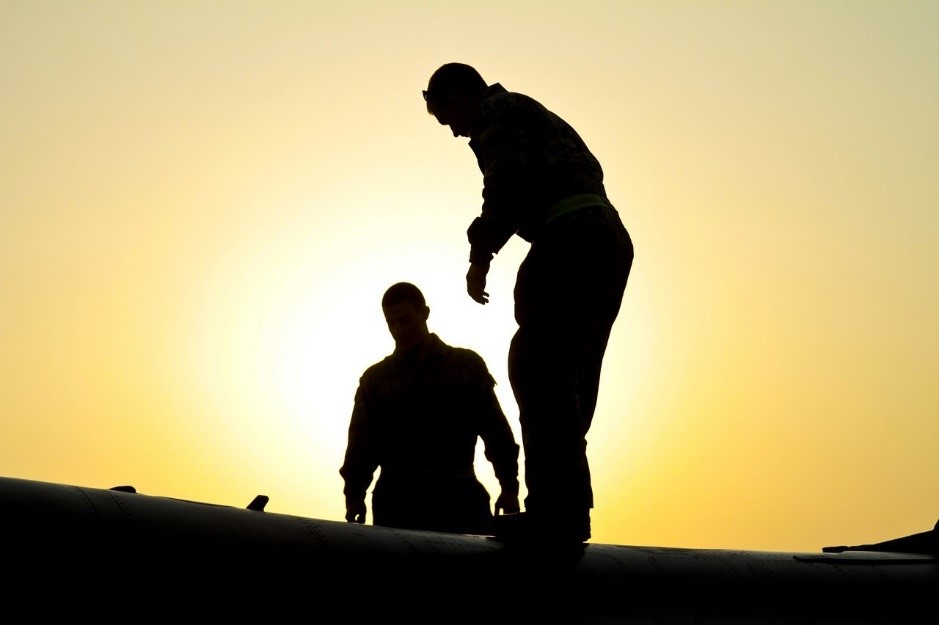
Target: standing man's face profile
457 113
407 324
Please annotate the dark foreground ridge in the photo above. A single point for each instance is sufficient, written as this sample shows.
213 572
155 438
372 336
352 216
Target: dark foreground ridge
76 554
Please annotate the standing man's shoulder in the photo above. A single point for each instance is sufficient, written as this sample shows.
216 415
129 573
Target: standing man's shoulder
497 95
500 105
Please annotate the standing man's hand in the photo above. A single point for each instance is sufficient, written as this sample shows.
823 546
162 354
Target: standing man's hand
355 511
476 283
507 502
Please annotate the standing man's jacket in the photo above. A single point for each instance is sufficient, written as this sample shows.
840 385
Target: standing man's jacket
535 167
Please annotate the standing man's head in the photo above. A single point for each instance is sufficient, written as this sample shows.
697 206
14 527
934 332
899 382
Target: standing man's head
453 95
406 314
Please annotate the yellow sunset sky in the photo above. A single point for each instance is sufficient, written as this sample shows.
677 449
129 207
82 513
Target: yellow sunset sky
201 203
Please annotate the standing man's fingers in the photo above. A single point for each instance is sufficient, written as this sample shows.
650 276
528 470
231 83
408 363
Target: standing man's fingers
476 283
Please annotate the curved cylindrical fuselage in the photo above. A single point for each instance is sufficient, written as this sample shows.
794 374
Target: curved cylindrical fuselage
114 556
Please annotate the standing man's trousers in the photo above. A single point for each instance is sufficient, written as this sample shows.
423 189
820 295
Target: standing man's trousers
567 295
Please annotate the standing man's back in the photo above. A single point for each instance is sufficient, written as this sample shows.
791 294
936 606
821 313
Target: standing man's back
418 415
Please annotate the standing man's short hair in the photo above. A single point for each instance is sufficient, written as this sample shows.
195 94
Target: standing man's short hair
403 292
451 79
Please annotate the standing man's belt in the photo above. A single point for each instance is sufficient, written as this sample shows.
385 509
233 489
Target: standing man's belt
573 202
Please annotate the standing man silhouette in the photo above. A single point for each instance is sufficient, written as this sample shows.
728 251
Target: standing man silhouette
542 183
418 414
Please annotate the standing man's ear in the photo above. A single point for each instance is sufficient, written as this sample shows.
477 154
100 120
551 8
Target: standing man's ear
426 312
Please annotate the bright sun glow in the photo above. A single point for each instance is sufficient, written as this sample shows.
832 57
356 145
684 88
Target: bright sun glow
295 339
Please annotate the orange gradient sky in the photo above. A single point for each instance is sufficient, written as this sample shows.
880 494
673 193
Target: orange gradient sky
202 203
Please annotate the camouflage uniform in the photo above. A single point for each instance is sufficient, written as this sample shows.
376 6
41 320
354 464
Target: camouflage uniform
418 418
542 183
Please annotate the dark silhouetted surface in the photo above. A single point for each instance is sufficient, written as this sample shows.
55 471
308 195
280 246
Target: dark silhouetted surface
76 554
